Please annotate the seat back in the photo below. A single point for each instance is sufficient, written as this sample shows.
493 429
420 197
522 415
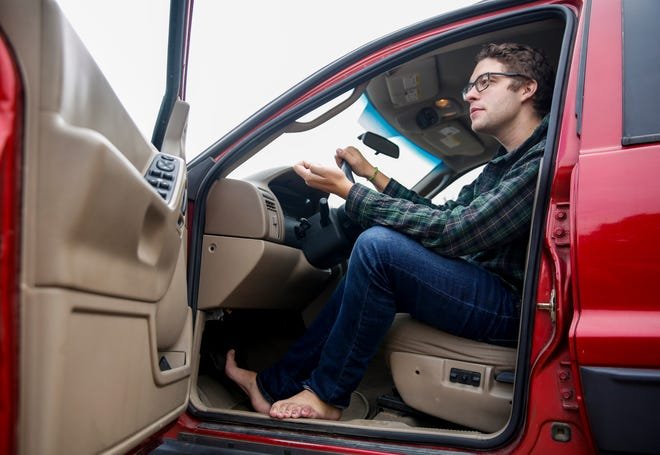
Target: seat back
459 380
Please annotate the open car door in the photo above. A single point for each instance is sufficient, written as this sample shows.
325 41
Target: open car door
105 328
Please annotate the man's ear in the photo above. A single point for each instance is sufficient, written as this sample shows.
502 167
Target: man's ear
529 89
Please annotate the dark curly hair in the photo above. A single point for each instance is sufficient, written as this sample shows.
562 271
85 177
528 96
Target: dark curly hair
519 58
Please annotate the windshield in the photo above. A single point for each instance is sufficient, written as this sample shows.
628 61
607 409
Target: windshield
318 145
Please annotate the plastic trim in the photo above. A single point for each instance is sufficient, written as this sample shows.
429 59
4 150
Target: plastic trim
176 58
622 405
579 97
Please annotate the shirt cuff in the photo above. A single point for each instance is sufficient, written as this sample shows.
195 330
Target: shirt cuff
394 188
354 200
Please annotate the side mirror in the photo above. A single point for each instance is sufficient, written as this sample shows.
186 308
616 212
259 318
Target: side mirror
380 144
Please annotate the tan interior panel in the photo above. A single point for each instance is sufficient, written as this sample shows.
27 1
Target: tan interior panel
106 230
424 384
89 360
172 310
241 209
252 273
243 263
421 360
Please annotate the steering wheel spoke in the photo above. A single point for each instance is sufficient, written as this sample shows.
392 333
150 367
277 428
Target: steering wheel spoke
348 171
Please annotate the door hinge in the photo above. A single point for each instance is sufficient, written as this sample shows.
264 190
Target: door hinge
567 394
560 225
550 306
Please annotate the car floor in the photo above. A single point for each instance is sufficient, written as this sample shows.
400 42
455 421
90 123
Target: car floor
260 338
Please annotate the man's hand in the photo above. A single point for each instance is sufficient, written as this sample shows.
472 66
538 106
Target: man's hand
324 178
354 158
362 167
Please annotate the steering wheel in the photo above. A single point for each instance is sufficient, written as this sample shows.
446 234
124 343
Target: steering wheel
348 172
326 237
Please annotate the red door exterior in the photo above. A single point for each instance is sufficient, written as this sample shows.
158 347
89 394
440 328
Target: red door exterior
10 199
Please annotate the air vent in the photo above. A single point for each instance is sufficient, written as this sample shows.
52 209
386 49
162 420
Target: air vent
270 205
273 218
269 201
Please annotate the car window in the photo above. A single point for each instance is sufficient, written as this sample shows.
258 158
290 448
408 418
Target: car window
129 48
451 191
318 145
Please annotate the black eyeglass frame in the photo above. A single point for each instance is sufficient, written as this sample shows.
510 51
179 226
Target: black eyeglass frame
488 74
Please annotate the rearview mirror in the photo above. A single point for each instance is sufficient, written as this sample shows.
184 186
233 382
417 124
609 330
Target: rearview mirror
380 144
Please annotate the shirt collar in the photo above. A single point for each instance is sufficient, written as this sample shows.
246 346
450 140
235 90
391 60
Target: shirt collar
536 136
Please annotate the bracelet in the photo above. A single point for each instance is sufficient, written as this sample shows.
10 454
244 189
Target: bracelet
372 178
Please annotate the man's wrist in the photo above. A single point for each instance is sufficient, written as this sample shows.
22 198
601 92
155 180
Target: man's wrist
373 175
344 189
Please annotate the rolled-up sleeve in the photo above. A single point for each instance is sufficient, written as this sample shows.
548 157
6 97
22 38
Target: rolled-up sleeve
455 229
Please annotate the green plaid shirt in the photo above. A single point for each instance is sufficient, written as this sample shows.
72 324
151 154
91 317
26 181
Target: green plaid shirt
488 224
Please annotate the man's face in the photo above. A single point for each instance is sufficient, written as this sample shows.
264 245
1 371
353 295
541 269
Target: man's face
496 108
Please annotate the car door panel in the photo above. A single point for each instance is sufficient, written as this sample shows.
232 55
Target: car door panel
107 215
106 331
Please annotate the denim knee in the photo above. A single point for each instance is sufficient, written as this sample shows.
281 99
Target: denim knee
375 241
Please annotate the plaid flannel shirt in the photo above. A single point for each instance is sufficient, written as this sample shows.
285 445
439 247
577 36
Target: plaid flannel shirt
489 222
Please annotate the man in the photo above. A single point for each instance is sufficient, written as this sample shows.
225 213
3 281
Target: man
457 267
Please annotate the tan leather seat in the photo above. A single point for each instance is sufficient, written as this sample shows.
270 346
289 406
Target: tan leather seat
450 377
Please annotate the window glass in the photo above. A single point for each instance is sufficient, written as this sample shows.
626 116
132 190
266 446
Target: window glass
451 191
128 41
641 69
318 145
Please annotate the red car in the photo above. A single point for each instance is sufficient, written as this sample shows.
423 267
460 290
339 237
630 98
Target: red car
126 273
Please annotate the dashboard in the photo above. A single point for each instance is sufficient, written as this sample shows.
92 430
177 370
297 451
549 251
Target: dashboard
270 242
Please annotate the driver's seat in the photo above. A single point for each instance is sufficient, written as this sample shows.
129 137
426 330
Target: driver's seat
459 380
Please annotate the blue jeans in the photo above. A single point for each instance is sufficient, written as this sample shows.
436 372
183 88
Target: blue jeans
388 273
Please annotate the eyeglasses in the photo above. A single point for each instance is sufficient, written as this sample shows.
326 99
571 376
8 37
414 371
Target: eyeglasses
482 82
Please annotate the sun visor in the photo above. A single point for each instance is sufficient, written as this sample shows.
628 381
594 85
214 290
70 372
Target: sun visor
416 82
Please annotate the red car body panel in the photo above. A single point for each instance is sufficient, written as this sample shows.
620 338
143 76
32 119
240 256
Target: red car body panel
10 199
616 218
619 322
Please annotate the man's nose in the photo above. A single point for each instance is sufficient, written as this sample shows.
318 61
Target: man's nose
471 94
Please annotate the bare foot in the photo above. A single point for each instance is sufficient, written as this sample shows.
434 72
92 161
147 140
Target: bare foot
247 380
304 405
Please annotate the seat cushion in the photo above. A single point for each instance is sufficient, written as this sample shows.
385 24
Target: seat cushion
450 377
412 336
